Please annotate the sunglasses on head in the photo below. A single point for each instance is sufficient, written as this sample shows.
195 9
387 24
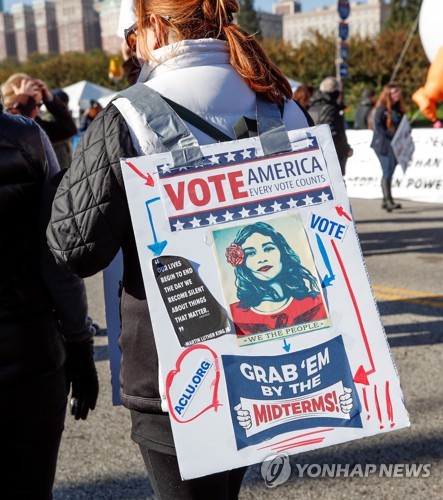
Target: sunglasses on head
131 36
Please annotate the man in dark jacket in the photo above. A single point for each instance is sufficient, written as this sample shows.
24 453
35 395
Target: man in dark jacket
64 148
325 108
363 111
45 333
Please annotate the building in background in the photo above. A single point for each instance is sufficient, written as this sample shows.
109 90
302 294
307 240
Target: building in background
365 20
109 11
25 32
81 25
286 7
46 26
49 26
270 25
78 25
8 47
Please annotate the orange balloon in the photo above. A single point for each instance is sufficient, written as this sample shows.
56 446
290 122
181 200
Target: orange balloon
425 104
427 97
434 80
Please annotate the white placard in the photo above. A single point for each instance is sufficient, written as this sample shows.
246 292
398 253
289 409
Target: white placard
402 143
266 327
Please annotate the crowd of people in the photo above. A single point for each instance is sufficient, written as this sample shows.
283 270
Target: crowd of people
46 333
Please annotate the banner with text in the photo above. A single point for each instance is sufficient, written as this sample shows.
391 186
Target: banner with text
423 179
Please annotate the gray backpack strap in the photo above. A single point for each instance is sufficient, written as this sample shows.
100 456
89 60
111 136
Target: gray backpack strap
164 121
271 129
178 139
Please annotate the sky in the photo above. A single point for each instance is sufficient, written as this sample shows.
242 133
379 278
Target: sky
259 4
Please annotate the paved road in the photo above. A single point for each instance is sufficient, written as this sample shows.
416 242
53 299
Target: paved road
404 256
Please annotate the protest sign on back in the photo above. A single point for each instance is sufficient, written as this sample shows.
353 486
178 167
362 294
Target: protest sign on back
266 327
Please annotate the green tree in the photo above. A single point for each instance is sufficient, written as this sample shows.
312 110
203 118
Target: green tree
412 72
308 63
402 13
371 62
61 70
247 17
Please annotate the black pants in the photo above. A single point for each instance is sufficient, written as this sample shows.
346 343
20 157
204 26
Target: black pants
153 434
343 162
32 418
167 484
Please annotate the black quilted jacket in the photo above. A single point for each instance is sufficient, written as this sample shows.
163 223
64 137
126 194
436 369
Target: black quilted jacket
30 343
90 222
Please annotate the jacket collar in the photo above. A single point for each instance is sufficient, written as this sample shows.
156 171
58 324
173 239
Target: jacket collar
183 54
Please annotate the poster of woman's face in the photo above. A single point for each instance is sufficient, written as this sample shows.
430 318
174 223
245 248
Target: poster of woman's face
269 279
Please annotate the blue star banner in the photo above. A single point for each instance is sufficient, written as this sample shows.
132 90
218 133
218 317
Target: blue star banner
236 185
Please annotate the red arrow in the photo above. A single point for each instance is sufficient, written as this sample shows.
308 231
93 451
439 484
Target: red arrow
361 375
149 180
341 212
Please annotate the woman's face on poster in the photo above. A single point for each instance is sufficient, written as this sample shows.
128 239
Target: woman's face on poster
262 257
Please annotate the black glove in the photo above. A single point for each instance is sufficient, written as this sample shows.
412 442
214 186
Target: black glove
81 373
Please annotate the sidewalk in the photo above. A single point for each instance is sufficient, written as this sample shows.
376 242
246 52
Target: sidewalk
99 461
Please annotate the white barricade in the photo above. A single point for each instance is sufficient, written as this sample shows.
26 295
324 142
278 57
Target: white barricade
423 180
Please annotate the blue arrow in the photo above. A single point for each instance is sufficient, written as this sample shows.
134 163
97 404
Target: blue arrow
286 346
329 278
158 246
327 281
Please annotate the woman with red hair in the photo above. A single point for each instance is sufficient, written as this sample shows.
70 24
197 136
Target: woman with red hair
192 53
389 111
